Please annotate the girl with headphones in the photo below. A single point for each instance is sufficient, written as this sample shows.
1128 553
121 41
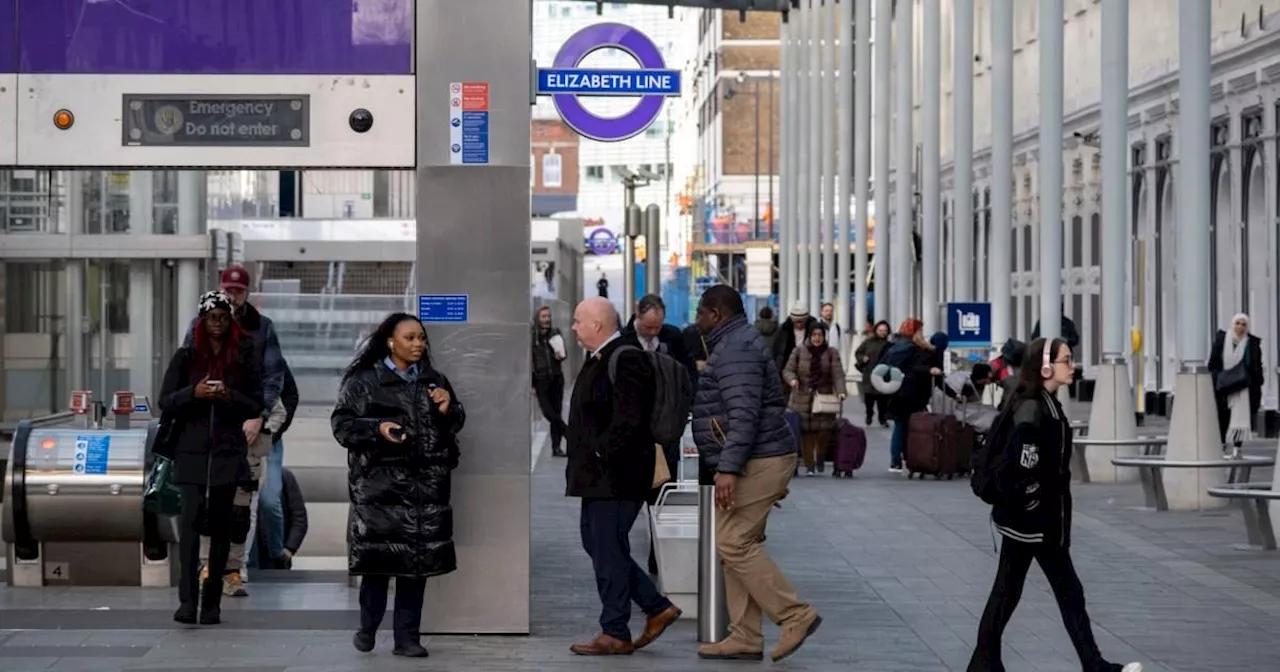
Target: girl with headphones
1033 510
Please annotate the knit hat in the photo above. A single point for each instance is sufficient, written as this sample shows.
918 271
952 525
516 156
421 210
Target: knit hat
214 300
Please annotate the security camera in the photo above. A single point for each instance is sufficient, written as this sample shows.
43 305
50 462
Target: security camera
361 120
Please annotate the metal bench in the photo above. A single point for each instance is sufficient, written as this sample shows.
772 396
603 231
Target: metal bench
1151 469
1255 501
1150 445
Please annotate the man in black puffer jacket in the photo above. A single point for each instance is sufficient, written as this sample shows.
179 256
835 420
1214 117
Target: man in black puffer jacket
743 439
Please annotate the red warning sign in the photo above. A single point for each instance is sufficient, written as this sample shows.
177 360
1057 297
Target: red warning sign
475 96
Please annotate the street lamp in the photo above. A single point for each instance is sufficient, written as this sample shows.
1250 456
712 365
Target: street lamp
755 91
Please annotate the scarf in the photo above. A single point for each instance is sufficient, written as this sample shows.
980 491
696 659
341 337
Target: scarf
817 365
1239 426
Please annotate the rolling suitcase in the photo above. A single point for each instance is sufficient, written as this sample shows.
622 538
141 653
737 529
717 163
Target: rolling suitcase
850 449
937 445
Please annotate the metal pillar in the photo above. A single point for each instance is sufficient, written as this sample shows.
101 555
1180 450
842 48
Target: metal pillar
142 290
1111 415
192 212
653 249
931 180
881 137
633 217
1050 169
786 176
860 146
963 257
1193 429
999 265
713 608
830 100
814 157
904 155
473 239
804 167
74 327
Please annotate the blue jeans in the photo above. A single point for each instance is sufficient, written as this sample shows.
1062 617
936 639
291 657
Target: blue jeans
271 506
898 442
605 526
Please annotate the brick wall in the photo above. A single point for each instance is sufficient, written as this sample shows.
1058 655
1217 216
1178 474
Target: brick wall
738 127
758 26
552 135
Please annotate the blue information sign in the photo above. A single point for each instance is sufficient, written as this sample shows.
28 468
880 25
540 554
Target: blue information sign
593 82
969 325
443 307
92 453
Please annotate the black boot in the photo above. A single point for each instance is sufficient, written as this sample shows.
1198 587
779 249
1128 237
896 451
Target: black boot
186 613
410 649
211 602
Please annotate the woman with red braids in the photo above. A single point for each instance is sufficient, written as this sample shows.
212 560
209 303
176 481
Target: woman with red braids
210 389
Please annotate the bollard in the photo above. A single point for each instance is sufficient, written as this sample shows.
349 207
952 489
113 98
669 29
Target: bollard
713 611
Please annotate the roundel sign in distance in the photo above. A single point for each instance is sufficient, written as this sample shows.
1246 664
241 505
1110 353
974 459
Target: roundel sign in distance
565 82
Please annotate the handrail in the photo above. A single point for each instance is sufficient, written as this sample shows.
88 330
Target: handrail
1136 441
1157 461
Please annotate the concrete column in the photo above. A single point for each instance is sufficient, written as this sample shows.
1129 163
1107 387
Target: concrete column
804 150
473 239
880 138
999 268
931 179
192 212
1050 164
1193 429
814 156
962 137
860 144
1111 415
141 304
904 156
829 23
786 178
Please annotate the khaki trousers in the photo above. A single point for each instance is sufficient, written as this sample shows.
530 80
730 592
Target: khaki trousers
754 585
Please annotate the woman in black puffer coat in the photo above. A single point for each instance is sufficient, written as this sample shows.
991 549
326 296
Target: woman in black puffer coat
399 418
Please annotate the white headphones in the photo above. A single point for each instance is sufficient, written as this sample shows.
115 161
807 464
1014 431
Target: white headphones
1046 366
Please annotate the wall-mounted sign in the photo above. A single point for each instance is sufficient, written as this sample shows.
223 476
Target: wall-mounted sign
468 123
602 241
216 121
651 82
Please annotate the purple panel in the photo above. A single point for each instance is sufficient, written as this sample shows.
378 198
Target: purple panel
231 37
8 35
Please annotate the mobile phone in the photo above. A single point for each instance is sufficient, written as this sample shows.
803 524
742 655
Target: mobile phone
399 433
214 384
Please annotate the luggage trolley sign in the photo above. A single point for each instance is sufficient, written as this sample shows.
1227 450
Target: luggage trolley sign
443 307
969 325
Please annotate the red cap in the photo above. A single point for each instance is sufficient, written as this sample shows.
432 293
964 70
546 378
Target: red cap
235 277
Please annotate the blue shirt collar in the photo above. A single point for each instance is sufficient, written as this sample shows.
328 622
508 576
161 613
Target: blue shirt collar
409 375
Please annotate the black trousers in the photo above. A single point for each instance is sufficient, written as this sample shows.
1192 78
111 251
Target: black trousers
406 620
605 526
1015 562
874 401
212 517
550 393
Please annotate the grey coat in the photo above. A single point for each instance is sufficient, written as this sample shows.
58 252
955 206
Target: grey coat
738 407
801 400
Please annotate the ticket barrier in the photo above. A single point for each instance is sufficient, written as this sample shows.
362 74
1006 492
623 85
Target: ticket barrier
673 531
72 513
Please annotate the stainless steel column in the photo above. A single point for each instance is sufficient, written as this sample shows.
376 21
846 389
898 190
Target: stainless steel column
633 219
999 265
1115 185
785 220
792 123
829 30
192 220
814 156
904 155
881 139
473 239
1193 182
1050 165
860 144
963 258
931 180
653 249
804 166
713 610
142 291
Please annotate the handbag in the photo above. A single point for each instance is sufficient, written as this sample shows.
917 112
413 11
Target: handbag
826 404
161 495
1233 379
661 472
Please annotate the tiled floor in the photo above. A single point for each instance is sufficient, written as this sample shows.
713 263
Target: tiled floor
899 569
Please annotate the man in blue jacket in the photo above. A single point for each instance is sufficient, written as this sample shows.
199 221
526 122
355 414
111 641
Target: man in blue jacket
743 439
235 282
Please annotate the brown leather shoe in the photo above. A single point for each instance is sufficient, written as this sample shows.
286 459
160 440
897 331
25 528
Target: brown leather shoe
794 634
730 649
655 626
604 645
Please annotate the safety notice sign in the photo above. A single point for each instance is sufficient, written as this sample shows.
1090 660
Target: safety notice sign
469 123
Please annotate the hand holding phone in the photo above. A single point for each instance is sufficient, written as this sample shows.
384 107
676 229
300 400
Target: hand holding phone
393 432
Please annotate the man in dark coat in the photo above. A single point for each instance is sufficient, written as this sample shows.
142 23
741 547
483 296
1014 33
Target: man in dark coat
610 467
744 440
547 355
801 323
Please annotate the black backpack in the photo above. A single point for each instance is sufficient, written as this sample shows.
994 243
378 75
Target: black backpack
672 395
987 459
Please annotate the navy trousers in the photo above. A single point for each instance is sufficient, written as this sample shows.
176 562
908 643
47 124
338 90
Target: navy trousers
605 526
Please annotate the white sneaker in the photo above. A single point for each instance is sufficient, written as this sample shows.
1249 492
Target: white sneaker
1132 667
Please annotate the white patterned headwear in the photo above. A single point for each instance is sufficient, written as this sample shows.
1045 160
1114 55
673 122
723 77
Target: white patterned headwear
214 300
